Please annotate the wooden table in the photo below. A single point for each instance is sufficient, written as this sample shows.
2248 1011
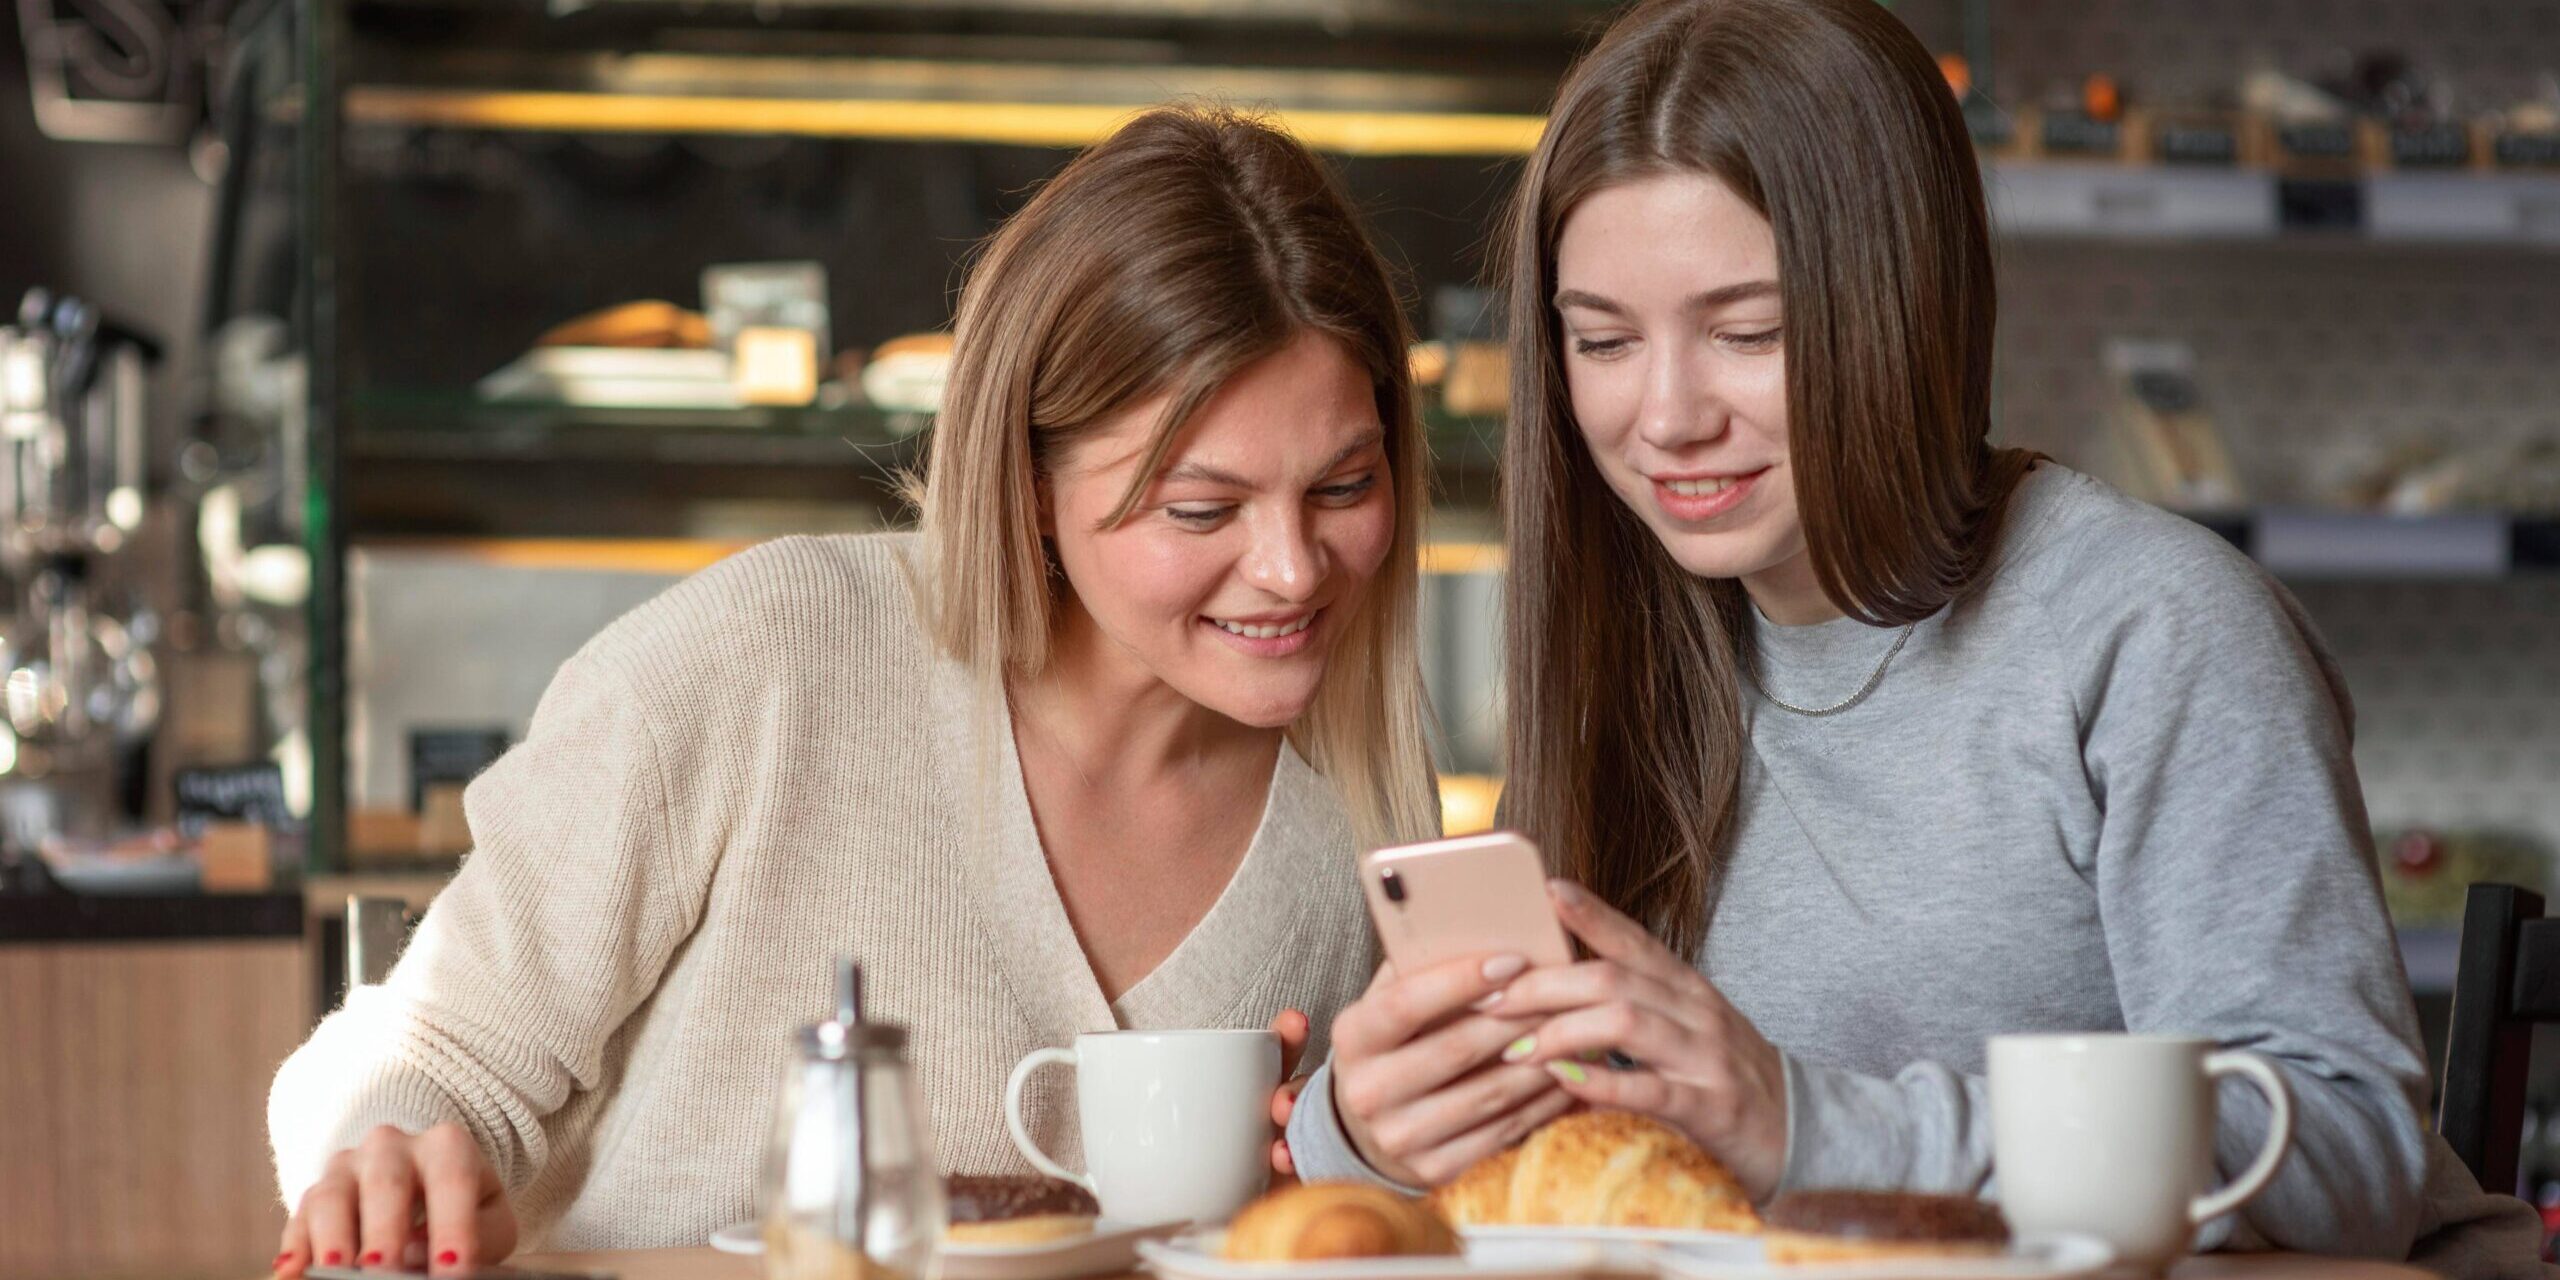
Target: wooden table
711 1264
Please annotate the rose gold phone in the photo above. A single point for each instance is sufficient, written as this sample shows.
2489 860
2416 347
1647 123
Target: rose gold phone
1473 895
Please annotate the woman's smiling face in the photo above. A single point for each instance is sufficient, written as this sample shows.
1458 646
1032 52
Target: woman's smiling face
1675 359
1254 545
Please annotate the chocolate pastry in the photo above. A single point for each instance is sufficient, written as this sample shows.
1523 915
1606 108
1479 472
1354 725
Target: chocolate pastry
1016 1209
977 1198
1841 1226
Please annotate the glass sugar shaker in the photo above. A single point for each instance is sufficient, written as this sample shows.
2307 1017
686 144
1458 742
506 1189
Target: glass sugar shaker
851 1187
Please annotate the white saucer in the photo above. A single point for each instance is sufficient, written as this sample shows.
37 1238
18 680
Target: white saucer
1625 1250
1198 1256
1659 1236
1112 1248
2059 1257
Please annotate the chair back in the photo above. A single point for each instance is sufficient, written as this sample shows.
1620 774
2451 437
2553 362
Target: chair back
2506 980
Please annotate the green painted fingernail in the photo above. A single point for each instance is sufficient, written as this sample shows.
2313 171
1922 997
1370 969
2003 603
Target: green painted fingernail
1520 1048
1570 1073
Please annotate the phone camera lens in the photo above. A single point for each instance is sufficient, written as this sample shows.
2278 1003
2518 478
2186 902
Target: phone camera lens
1393 884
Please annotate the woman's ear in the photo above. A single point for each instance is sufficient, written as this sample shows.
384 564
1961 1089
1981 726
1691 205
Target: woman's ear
1046 505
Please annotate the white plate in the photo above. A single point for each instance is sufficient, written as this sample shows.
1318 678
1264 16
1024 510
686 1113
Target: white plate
1655 1236
1113 1247
1621 1250
2060 1257
1196 1257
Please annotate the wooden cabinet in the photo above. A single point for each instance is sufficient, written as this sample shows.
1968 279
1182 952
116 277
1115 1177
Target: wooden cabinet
133 1098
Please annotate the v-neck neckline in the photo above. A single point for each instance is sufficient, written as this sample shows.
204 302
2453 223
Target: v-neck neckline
1195 984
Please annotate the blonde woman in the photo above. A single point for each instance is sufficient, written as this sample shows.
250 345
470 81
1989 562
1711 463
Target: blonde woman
1093 749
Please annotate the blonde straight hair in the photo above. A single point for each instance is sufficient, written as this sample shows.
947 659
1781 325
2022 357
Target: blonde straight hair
1163 260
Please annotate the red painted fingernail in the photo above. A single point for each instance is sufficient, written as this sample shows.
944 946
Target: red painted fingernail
333 1257
447 1258
373 1257
284 1257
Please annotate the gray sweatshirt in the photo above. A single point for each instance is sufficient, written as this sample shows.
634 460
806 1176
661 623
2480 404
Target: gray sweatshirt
2111 790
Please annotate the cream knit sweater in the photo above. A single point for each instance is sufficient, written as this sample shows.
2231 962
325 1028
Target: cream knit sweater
762 769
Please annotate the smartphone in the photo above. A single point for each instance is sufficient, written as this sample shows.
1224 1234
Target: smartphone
318 1272
1471 895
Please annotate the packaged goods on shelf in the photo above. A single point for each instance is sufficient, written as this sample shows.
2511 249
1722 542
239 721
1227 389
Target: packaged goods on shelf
2427 477
2172 452
906 375
616 377
645 323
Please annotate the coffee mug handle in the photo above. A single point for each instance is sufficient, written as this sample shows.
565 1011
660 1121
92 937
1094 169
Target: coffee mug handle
1031 1151
2235 1062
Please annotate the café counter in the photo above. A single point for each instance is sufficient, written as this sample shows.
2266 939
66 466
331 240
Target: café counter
138 1034
162 918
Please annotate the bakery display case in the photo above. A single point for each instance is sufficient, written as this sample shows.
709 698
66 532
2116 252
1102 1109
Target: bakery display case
536 236
594 294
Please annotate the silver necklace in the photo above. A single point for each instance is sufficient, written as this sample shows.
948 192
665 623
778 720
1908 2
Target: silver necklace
1874 678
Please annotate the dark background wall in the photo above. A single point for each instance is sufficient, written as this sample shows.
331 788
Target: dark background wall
123 225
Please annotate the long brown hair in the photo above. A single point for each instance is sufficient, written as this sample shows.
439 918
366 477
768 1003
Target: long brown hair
1624 729
1189 244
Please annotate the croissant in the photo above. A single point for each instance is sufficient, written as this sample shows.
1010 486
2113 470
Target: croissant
1318 1220
1599 1169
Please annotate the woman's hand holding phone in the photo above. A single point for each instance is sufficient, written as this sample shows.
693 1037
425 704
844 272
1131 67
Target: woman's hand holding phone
1417 1077
1702 1067
1417 1080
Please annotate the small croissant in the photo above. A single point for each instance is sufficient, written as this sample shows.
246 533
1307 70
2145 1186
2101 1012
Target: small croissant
1319 1220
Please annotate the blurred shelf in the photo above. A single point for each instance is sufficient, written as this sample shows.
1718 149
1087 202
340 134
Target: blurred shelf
1030 124
457 426
2476 208
445 464
408 451
2060 199
682 59
1539 15
605 442
2065 200
668 556
2454 546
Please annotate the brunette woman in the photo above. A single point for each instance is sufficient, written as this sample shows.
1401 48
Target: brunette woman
1092 750
1854 739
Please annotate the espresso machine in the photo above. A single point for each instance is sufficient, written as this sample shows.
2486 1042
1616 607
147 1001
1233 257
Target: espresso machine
79 690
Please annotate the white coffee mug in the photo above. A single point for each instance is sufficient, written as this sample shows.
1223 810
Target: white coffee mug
1177 1124
2112 1136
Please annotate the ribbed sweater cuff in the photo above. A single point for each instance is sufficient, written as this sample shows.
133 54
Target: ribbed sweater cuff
1320 1147
392 1093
